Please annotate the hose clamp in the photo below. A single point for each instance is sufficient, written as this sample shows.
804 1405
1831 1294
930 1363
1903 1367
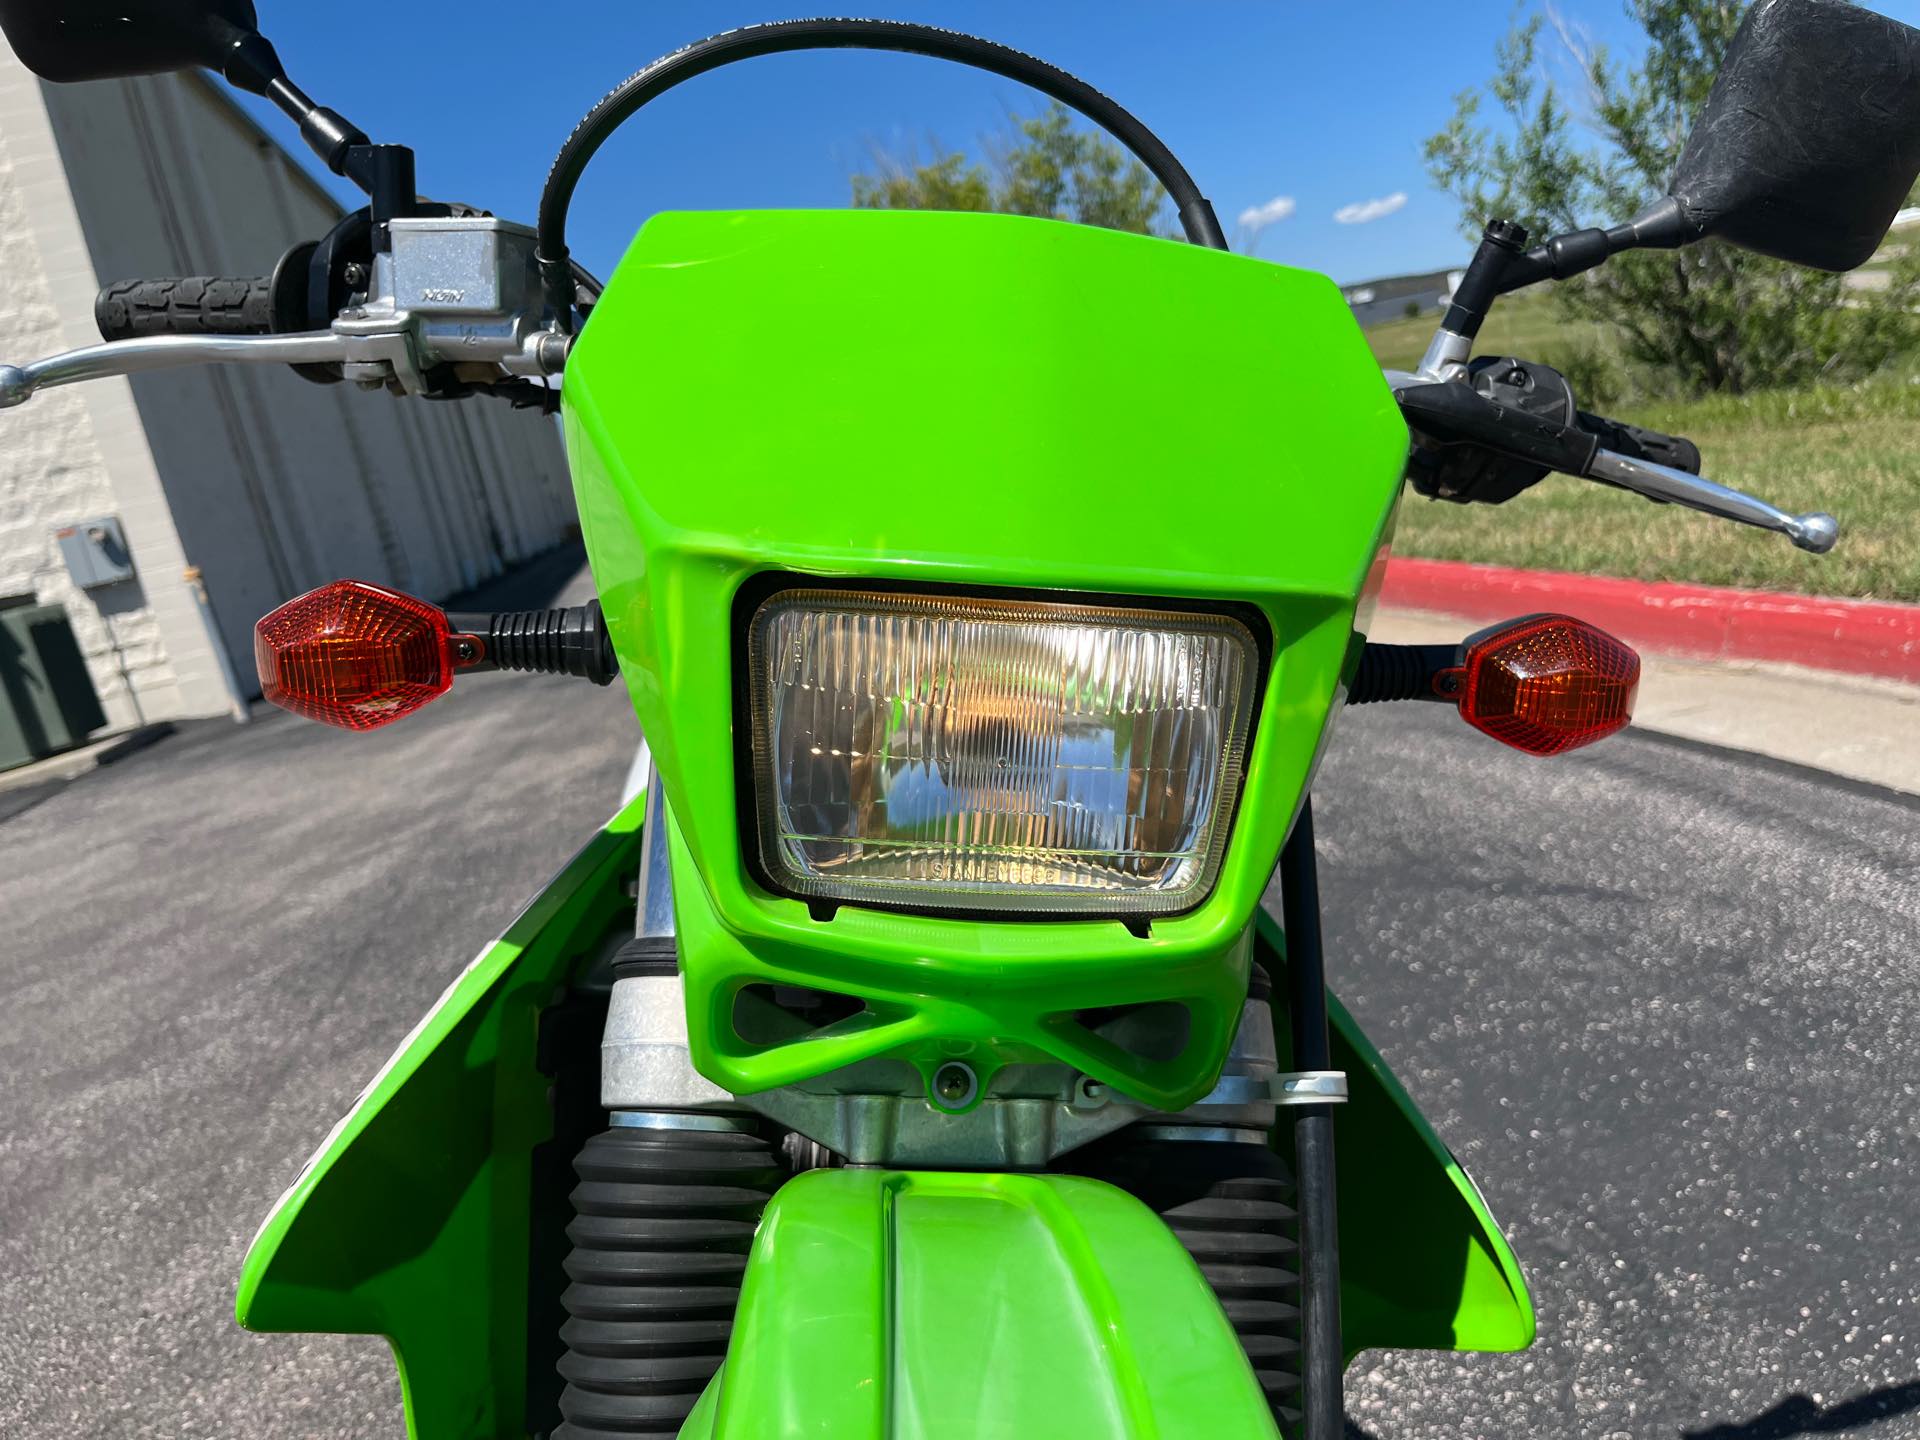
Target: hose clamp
1310 1087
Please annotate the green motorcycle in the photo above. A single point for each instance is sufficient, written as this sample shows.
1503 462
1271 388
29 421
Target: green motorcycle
913 1057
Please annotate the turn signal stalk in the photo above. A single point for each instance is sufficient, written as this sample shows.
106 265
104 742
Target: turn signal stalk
1543 684
360 656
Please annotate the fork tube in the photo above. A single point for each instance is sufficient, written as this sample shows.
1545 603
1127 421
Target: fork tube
1322 1402
654 919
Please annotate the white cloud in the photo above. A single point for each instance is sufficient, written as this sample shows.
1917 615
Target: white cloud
1363 211
1256 218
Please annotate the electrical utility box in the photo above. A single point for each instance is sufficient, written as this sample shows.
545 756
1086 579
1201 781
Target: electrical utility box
47 701
95 552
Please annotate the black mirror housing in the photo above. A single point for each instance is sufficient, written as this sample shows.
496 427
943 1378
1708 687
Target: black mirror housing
65 40
1810 139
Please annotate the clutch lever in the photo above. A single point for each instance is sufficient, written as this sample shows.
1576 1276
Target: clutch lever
1453 413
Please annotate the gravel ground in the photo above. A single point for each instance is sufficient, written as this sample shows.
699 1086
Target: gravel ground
1664 1002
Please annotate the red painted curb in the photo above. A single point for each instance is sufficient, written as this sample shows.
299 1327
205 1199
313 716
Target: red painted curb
1860 637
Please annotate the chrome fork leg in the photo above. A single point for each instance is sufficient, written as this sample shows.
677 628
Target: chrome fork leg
647 1077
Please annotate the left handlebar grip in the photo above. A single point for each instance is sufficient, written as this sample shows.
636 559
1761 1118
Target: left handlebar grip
189 305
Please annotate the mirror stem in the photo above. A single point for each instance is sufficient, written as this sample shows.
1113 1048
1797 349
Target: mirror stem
250 62
1500 248
385 172
327 133
1660 226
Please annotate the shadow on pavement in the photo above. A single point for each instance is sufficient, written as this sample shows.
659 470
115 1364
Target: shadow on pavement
533 585
1801 1415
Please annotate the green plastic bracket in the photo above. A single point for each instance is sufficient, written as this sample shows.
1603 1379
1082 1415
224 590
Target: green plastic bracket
412 1219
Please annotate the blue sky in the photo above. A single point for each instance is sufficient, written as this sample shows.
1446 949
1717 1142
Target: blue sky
1325 104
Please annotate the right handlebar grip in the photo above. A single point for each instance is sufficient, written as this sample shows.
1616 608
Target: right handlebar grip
190 305
1630 440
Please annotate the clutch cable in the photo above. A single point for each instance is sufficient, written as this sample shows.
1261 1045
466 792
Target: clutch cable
1197 220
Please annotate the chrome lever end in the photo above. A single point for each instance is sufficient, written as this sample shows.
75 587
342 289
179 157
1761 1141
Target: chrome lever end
15 387
1815 533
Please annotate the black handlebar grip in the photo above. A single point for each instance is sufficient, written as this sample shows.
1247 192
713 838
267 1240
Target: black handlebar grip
1630 440
191 305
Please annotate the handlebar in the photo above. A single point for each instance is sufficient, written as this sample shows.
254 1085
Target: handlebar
1487 432
442 313
189 305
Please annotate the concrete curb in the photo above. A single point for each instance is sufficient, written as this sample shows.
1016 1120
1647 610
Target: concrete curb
1857 637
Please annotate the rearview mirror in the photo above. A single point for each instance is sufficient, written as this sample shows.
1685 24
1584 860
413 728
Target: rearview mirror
1810 139
63 40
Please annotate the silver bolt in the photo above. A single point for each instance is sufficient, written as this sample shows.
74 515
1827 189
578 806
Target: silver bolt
954 1086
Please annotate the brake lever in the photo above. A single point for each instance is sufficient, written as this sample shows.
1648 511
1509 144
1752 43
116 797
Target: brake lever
165 352
1815 532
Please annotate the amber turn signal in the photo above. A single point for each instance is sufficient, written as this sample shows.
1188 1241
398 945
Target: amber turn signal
354 655
1545 684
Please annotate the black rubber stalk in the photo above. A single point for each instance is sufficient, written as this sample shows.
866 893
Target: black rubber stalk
1400 672
1321 1356
663 1221
571 640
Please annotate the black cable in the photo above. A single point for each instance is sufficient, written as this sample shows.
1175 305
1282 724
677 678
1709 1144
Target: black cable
1197 219
1321 1356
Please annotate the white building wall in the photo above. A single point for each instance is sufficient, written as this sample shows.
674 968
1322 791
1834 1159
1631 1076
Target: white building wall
54 454
268 483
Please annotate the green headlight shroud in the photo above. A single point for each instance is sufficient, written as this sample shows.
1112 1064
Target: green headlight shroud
977 402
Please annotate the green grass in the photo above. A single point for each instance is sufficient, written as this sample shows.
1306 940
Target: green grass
1853 450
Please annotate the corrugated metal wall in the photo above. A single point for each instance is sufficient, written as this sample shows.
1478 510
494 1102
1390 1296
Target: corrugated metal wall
276 484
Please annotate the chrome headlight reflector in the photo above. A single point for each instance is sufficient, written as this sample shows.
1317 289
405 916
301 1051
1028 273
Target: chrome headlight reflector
952 752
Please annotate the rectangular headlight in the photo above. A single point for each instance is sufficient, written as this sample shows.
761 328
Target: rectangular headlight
950 752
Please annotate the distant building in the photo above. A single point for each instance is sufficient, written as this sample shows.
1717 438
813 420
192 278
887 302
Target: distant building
268 483
1401 295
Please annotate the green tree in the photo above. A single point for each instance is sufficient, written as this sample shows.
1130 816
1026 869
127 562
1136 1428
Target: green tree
1041 165
1708 317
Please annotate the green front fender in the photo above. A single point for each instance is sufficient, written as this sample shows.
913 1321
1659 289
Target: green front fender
926 1306
954 1306
413 1221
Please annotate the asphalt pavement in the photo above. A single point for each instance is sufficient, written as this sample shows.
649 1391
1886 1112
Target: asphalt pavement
206 951
1663 1001
1664 1004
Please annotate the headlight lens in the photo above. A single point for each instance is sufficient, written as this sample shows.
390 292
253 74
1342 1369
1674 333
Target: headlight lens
952 752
